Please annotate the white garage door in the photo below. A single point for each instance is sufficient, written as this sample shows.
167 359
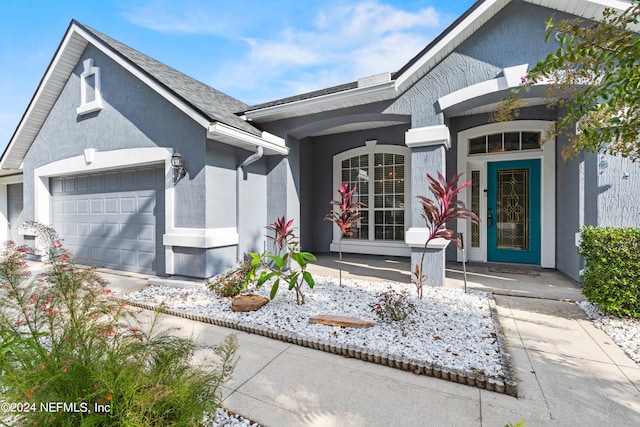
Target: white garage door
112 219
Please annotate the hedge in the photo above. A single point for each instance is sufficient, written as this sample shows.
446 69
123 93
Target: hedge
612 276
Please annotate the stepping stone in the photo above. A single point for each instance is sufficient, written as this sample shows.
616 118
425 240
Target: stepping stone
333 320
248 302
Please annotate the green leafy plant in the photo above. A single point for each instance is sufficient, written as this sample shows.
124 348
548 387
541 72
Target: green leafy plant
520 424
612 274
392 306
65 341
267 266
345 215
437 213
593 75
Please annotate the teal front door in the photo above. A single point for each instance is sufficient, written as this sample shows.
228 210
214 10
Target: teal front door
513 211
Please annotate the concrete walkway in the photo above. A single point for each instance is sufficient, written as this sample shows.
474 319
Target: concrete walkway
569 372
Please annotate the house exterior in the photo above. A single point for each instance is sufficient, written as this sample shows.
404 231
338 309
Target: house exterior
92 156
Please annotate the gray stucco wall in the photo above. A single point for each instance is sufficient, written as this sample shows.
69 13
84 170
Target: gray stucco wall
252 213
133 116
514 36
570 208
618 191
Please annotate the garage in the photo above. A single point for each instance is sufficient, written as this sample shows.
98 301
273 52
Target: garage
112 219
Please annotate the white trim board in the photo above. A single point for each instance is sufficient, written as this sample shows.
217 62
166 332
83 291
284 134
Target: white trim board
547 156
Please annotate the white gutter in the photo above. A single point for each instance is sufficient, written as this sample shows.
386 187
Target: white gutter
369 88
270 143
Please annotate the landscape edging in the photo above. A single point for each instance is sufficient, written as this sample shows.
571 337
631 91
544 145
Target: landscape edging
506 385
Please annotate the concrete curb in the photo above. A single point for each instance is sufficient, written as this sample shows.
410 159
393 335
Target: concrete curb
506 385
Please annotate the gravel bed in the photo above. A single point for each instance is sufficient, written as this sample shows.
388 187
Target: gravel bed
450 329
625 332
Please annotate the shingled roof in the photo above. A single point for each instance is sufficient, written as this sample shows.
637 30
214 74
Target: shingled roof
211 103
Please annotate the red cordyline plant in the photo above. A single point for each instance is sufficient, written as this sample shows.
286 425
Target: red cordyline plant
436 213
283 233
345 216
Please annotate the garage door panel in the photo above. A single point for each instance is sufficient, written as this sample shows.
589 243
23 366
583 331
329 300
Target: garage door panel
146 232
97 206
128 205
112 256
146 204
84 229
96 255
82 183
146 177
128 179
56 186
69 184
70 230
81 252
97 182
145 259
113 219
83 206
111 230
111 180
128 232
70 207
129 257
111 205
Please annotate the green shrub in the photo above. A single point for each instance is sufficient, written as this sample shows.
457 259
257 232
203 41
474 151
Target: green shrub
65 345
391 306
232 282
612 276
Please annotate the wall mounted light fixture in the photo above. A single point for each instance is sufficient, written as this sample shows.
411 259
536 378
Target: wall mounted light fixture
179 166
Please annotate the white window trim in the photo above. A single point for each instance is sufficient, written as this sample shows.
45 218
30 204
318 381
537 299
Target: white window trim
547 156
95 105
372 246
4 208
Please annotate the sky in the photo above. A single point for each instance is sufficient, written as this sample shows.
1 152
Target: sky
253 50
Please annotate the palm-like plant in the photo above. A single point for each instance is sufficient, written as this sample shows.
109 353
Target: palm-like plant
345 215
283 233
436 213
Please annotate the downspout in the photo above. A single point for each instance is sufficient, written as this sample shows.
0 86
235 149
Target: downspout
252 158
249 160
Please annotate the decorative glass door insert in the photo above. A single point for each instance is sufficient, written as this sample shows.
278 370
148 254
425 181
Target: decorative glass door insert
513 211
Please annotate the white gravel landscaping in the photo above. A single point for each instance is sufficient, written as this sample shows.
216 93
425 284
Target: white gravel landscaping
625 332
449 329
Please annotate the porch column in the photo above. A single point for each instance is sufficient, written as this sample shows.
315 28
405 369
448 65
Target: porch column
428 155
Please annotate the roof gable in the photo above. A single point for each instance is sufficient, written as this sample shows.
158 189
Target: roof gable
474 18
460 30
202 103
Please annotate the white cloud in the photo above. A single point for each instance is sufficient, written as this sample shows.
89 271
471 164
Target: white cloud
343 43
289 48
199 17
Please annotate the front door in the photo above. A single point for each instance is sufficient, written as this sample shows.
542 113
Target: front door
513 211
